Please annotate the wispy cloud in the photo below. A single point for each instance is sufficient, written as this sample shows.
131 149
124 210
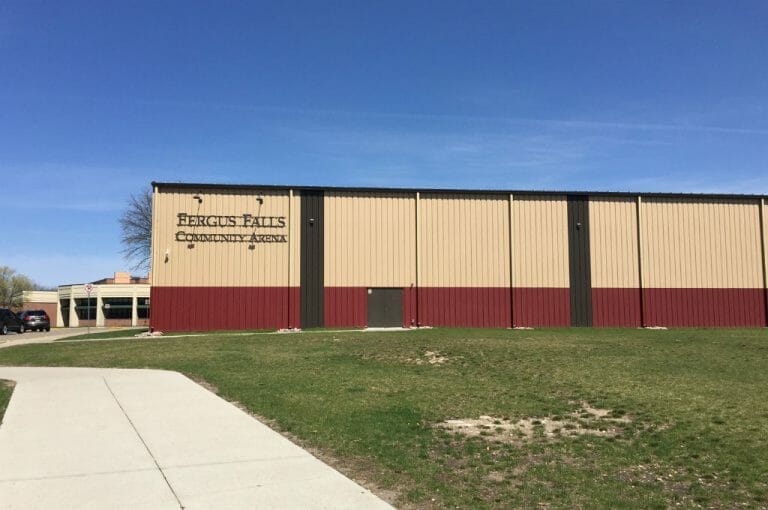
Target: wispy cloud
578 124
479 158
326 147
330 113
490 155
680 181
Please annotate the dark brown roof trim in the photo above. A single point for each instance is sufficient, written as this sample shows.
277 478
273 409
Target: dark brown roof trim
271 187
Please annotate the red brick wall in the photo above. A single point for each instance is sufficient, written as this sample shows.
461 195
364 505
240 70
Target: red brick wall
50 309
124 323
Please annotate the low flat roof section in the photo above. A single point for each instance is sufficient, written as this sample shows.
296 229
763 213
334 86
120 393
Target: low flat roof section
40 296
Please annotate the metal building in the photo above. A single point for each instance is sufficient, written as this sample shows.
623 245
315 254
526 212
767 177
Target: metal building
236 257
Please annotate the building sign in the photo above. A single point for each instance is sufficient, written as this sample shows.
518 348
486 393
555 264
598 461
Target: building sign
230 229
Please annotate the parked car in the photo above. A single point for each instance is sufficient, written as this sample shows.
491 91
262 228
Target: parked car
36 320
9 322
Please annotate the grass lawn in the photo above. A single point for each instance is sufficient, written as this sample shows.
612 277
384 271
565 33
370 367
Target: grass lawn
685 417
6 388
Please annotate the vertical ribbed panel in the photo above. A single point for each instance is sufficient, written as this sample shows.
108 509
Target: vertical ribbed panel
153 253
294 237
221 308
370 239
613 242
463 240
704 307
210 264
701 243
464 260
540 240
540 270
475 307
702 262
764 233
614 254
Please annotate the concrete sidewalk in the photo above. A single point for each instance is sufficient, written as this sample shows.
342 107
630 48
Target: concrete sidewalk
110 438
44 337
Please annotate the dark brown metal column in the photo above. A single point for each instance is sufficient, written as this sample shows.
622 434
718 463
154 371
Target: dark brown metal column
312 281
579 263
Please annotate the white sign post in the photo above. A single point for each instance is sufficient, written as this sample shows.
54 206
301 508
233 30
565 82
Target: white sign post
88 289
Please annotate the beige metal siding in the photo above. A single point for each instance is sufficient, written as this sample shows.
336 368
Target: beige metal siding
701 243
463 240
215 264
764 212
294 239
540 241
370 239
613 242
153 242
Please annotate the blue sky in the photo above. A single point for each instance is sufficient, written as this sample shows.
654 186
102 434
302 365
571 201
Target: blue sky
97 99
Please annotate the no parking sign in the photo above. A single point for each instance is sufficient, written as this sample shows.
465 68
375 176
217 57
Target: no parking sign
88 289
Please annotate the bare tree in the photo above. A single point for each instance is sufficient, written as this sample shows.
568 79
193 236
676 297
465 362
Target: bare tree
136 229
12 287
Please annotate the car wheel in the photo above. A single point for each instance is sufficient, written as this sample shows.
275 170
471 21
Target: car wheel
4 330
22 329
47 329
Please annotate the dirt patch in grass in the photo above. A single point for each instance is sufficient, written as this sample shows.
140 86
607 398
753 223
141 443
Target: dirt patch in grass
586 420
428 358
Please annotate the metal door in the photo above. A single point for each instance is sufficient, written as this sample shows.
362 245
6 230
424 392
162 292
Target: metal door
385 308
